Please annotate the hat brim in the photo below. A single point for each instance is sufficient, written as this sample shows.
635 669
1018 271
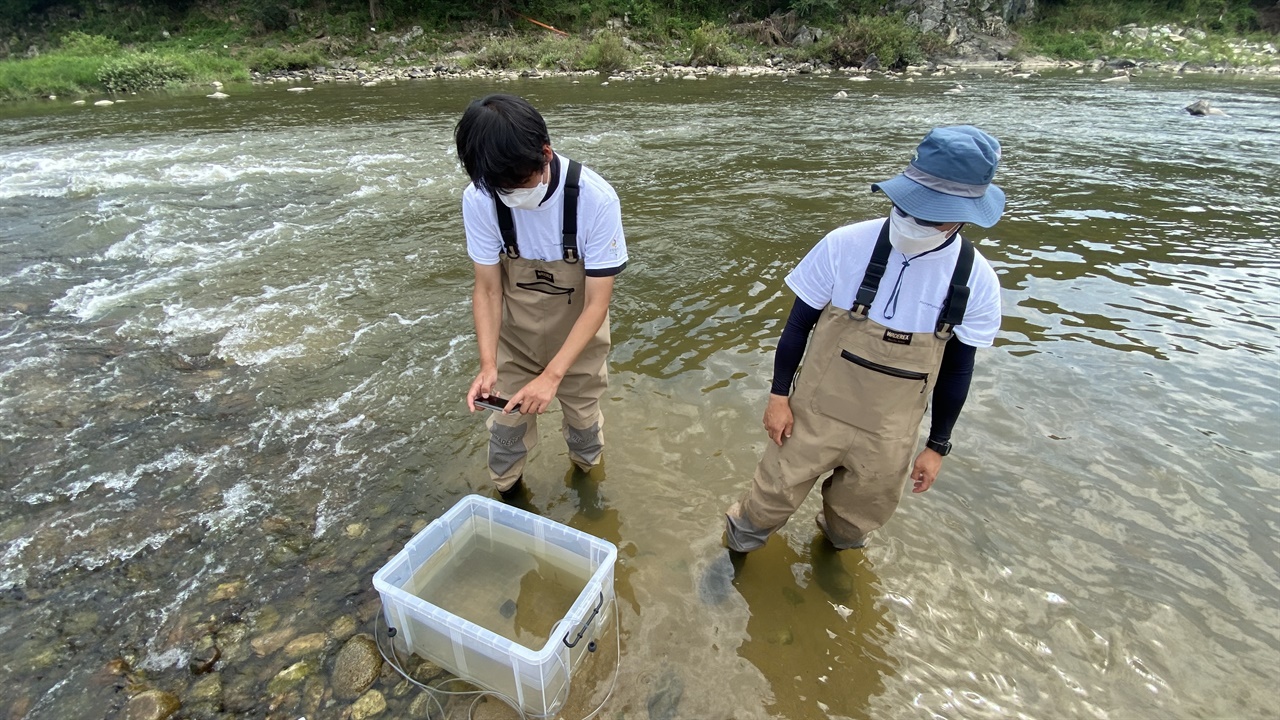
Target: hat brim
920 202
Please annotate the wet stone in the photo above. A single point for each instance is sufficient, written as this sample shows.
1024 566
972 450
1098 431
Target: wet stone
227 591
152 705
342 628
289 677
268 643
313 695
206 689
369 705
306 645
426 671
356 667
424 707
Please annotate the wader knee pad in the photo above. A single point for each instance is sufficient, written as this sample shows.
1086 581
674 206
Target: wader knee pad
585 446
506 447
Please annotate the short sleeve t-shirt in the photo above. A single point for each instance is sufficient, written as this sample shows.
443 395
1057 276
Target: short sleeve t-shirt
833 270
538 232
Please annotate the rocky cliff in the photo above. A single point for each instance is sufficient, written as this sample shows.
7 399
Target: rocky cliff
970 27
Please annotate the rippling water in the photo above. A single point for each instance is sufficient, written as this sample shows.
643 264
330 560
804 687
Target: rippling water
233 339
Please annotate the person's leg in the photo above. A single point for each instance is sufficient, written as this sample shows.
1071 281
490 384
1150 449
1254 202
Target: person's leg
864 492
579 395
783 478
511 436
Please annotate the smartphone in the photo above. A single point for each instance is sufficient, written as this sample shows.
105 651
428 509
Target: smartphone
494 402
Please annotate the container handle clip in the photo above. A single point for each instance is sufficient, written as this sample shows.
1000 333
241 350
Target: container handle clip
585 625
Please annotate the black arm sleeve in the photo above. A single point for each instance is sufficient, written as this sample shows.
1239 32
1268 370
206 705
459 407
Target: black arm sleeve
952 388
795 337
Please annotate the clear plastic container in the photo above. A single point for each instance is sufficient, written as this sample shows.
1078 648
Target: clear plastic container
505 574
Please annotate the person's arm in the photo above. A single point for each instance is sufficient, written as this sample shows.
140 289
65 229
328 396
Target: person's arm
537 395
486 309
949 394
778 419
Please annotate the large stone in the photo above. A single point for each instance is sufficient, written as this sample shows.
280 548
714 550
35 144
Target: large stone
270 642
1201 108
306 645
356 667
370 704
289 678
152 705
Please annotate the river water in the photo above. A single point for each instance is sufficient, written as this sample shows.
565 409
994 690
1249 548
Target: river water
234 337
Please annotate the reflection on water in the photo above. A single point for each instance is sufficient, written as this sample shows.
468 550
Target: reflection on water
233 337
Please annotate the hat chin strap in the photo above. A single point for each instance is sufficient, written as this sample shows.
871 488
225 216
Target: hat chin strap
942 185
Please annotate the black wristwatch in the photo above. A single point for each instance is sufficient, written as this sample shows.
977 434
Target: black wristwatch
942 448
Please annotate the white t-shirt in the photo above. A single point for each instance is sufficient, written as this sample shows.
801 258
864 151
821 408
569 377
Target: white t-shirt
538 232
833 270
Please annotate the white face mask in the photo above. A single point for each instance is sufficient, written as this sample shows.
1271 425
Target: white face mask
911 238
524 198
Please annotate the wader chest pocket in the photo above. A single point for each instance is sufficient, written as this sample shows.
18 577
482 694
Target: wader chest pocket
547 288
870 396
885 369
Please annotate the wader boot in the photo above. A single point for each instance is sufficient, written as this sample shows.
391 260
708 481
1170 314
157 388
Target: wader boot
857 406
541 301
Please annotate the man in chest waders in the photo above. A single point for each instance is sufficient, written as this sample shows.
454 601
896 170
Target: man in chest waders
545 236
900 305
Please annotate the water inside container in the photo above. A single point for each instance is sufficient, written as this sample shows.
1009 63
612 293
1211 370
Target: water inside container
493 577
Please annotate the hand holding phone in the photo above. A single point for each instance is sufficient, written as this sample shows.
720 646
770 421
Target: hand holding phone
493 402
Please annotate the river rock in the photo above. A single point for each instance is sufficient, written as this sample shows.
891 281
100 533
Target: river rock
152 705
218 96
104 103
206 689
342 628
356 667
306 645
1119 79
77 102
871 63
266 644
301 89
289 677
370 704
1200 108
424 707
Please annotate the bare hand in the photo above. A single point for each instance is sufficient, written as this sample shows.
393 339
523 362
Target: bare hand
482 386
928 465
535 397
778 419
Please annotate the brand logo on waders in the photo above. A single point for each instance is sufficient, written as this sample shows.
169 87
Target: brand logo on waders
544 276
900 338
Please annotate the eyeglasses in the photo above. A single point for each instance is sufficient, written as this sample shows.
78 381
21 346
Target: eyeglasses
917 220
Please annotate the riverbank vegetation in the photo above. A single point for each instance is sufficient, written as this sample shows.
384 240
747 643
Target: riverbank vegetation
52 47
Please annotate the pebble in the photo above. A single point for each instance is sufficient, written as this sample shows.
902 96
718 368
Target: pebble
306 645
266 644
370 704
342 628
104 103
356 667
289 677
227 591
207 688
152 705
218 96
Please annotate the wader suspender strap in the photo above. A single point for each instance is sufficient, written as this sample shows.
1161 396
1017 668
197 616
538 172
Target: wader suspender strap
957 300
569 238
875 271
953 305
569 226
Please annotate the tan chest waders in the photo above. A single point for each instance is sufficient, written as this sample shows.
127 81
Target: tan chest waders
858 403
541 301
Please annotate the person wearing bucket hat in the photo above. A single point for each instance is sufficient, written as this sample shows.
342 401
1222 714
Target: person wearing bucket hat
897 307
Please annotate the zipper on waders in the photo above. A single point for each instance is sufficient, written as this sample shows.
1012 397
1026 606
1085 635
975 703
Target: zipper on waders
886 370
547 288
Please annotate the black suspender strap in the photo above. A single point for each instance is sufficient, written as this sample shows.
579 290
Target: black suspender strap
875 271
506 226
957 300
569 239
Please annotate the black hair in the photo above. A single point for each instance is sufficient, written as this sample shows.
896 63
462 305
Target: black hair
500 141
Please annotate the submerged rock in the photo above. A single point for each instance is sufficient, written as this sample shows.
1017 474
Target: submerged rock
664 701
152 705
356 667
370 704
1200 108
218 96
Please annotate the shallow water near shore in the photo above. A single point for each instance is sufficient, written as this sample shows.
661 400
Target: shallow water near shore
234 335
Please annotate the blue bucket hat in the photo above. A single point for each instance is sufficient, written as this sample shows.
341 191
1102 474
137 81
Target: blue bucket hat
949 179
